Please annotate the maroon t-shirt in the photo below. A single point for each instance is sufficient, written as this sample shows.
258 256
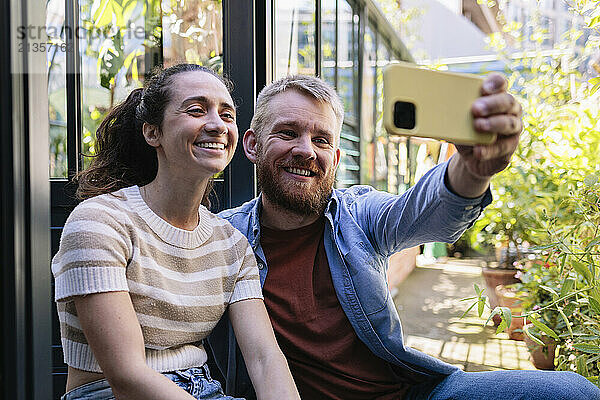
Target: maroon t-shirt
326 357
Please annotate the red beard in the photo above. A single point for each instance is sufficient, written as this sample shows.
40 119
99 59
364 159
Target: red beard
298 197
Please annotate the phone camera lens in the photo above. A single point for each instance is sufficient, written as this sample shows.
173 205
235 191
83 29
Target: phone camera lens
404 115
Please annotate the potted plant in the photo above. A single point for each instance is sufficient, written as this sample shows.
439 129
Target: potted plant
557 148
508 297
542 350
562 296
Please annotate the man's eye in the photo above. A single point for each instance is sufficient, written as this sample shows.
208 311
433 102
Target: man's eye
322 141
288 133
228 115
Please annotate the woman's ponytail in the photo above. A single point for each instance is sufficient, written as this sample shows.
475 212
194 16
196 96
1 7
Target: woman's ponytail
123 157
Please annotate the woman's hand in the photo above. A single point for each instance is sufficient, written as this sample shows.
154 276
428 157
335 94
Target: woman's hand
113 332
266 363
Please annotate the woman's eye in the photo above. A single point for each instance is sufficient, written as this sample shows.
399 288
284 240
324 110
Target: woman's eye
322 141
228 116
195 110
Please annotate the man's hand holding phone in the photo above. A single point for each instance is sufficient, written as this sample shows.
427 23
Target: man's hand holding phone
476 114
496 111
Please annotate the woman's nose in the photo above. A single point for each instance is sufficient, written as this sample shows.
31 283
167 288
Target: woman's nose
214 124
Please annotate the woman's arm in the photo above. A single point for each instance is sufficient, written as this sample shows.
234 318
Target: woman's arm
266 364
113 332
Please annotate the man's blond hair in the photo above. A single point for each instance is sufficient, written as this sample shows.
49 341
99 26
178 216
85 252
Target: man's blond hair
306 84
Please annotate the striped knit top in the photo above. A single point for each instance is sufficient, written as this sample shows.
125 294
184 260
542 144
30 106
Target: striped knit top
180 282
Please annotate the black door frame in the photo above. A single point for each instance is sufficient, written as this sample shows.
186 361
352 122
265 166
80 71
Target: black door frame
244 62
24 237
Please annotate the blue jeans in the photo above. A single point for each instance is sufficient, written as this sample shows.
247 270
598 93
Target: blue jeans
195 381
508 385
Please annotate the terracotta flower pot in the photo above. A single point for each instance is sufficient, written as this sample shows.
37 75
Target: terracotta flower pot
494 277
508 298
542 357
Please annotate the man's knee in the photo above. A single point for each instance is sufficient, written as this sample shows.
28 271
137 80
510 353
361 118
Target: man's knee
570 386
563 386
530 385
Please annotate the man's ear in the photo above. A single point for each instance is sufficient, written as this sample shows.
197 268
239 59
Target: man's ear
336 158
151 134
250 145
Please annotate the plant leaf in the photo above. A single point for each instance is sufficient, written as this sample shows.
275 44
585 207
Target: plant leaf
594 305
506 315
532 336
570 308
468 309
501 327
568 324
544 247
549 289
581 363
593 243
567 285
582 270
495 311
542 327
587 348
481 306
103 13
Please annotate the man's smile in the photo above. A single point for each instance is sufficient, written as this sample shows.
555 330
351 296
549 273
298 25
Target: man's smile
299 171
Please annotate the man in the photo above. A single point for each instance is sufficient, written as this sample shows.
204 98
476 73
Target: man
323 253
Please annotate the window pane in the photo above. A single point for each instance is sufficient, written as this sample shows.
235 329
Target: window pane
347 81
193 32
348 172
347 41
391 148
57 97
294 38
371 162
397 165
383 58
328 39
112 59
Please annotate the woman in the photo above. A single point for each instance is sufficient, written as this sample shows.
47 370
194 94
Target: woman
144 271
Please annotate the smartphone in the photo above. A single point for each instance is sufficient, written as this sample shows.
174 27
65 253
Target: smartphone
433 104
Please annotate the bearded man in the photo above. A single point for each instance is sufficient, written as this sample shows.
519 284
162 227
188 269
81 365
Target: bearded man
323 254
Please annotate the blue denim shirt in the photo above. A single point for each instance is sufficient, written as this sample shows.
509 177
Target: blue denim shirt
363 228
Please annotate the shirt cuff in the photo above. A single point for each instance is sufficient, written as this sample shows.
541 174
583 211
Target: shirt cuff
446 194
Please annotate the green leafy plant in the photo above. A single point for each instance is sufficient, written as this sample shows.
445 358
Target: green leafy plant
549 198
559 143
561 294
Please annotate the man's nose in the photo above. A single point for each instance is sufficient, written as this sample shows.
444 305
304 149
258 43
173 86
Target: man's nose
303 148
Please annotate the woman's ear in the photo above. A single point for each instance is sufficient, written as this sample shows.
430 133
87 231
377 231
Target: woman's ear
151 134
250 144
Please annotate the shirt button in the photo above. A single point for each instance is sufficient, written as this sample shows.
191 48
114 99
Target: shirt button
467 208
261 265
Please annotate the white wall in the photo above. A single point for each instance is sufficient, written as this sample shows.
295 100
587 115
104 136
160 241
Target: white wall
442 33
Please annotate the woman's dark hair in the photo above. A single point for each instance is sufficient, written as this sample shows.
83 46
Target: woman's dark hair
123 158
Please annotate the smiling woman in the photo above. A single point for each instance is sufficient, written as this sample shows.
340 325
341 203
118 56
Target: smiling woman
144 271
